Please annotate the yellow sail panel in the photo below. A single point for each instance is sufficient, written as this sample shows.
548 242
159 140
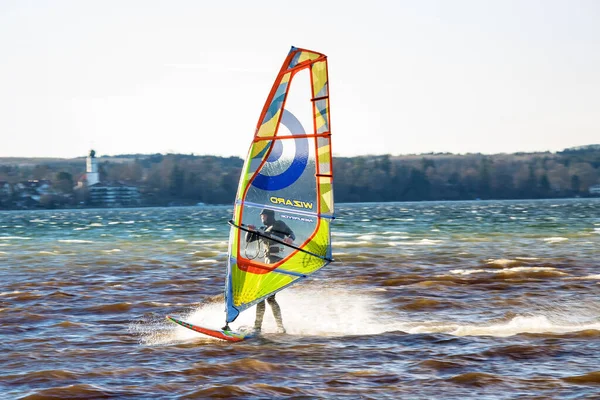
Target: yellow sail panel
319 77
325 161
259 148
301 56
322 116
306 262
321 95
272 116
268 127
325 157
326 190
250 287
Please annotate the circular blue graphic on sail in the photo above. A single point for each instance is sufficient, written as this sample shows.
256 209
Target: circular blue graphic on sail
298 165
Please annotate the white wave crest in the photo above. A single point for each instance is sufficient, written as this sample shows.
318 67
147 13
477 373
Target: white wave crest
506 270
550 321
345 244
422 242
588 277
524 324
501 262
342 234
467 271
334 311
556 239
366 237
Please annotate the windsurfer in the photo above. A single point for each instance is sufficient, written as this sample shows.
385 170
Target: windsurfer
275 228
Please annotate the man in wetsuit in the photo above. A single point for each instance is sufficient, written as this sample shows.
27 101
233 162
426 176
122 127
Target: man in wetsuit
272 249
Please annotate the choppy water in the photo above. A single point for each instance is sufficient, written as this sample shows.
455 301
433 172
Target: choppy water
427 300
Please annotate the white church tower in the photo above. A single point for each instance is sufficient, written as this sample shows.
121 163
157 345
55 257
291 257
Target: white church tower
92 176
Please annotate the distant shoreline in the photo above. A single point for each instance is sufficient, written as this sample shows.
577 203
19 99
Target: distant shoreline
156 180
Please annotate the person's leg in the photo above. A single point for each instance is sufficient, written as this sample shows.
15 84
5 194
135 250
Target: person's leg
260 313
276 313
271 259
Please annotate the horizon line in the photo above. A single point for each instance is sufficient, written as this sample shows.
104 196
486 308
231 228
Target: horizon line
595 146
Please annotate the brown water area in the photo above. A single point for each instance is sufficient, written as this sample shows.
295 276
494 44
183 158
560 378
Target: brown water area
430 300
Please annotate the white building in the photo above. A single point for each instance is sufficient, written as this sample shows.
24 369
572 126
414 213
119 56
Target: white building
114 195
105 194
91 171
594 190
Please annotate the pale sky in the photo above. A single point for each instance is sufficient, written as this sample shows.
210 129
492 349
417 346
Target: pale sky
192 76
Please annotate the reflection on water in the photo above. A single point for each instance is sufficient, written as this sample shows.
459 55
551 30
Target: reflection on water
480 299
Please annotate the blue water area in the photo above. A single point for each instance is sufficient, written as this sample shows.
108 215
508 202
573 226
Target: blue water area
478 299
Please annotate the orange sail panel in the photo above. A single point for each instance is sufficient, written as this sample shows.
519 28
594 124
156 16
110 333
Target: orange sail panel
280 230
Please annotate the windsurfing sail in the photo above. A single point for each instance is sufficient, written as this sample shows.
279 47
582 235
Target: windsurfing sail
288 171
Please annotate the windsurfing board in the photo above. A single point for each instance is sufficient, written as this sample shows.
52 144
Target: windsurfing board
230 336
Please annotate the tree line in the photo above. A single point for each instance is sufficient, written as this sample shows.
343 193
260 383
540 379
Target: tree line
179 179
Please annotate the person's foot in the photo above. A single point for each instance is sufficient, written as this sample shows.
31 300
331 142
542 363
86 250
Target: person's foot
226 328
281 329
257 329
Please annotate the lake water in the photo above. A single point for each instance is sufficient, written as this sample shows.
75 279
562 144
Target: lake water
485 299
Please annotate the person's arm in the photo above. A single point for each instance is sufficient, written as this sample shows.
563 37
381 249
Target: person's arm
251 236
288 234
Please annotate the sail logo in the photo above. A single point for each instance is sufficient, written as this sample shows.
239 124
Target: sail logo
297 218
275 160
291 203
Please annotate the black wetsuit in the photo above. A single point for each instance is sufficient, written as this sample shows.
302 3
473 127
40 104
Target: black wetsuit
272 248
